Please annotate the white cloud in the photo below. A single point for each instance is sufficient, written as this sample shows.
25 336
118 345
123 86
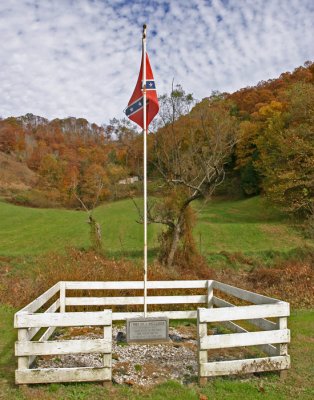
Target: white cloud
81 58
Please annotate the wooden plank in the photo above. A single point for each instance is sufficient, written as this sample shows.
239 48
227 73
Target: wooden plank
244 339
279 309
244 366
244 294
62 297
49 375
202 334
44 337
182 284
62 347
64 319
41 300
269 349
282 348
222 303
260 323
122 316
202 355
23 337
48 332
107 358
53 308
104 301
210 294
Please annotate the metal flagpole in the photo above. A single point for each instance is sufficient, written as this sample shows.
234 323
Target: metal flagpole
145 169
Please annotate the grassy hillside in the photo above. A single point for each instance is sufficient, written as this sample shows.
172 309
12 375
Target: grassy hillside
247 226
29 231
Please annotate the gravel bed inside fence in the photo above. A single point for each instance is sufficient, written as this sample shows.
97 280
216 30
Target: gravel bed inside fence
141 364
134 364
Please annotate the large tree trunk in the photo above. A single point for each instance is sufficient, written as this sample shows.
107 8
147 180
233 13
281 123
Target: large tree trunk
95 233
176 237
174 245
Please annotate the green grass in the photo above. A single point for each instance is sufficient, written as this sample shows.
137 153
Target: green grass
31 231
8 337
247 226
298 385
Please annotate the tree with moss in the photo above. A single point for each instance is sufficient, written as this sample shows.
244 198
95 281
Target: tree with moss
191 148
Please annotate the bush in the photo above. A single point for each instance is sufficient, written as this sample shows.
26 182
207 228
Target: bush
38 199
308 227
39 274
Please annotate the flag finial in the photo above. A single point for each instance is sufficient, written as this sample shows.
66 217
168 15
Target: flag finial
144 31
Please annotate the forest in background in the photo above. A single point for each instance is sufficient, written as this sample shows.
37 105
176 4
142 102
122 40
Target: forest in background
273 154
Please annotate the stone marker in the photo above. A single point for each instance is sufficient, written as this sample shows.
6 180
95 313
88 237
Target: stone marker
147 330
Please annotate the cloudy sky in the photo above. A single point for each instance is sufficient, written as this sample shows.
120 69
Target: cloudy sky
81 58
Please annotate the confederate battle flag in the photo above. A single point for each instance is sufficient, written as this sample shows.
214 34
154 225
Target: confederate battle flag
134 110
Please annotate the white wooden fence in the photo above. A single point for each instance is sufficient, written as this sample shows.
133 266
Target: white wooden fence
38 315
271 337
30 322
131 301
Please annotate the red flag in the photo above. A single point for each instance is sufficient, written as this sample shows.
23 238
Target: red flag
134 110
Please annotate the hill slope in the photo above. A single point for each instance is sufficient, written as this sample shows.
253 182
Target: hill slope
14 175
247 226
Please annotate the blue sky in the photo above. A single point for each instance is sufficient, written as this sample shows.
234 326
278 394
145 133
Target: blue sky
81 58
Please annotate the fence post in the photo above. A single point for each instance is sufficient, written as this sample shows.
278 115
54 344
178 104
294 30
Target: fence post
202 354
62 297
283 348
210 285
23 336
107 358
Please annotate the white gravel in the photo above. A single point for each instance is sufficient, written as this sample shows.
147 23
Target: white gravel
134 364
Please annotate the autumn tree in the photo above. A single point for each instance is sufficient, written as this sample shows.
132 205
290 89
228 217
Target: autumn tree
128 151
94 180
51 171
88 193
246 155
12 137
191 150
286 150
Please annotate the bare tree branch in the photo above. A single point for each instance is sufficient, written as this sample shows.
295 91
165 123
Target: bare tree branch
81 201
